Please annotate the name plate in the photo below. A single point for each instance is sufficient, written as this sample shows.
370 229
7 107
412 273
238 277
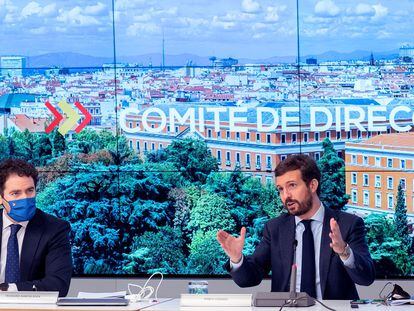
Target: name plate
29 297
216 300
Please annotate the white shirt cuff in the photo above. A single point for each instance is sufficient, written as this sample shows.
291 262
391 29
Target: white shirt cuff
12 288
235 266
350 261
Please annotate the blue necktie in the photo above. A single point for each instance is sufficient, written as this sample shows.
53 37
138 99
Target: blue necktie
12 261
308 275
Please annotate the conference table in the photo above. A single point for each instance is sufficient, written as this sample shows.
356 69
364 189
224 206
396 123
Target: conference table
339 305
47 307
173 304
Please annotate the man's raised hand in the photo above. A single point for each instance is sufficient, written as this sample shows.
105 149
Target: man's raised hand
231 245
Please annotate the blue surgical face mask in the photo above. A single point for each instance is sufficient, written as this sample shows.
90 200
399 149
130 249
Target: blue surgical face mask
23 209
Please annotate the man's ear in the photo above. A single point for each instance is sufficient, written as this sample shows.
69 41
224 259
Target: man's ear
4 203
314 184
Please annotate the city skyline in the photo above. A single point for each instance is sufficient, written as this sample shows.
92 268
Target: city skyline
142 152
253 29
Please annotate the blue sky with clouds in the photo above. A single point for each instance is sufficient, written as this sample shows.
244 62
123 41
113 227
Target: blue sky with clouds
231 28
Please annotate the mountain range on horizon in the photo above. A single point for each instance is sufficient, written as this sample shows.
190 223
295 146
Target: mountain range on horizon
70 59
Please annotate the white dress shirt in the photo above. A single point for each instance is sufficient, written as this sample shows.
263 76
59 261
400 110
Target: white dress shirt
316 227
4 240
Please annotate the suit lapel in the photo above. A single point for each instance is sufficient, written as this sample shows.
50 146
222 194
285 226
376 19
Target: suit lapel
31 241
287 238
326 250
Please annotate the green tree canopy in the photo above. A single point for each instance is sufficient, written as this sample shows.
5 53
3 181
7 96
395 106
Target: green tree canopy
206 255
156 251
211 213
332 167
402 232
190 157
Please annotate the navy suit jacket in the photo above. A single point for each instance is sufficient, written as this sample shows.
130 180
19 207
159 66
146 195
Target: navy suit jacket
46 256
275 253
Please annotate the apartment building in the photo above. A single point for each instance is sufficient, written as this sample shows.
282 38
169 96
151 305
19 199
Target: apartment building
375 168
256 152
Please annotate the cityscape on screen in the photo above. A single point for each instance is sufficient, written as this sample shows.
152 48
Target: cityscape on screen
154 124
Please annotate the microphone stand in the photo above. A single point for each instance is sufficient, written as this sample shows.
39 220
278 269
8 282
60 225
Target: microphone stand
285 299
292 288
297 299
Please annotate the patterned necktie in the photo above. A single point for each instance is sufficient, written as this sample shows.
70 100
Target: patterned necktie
12 261
308 275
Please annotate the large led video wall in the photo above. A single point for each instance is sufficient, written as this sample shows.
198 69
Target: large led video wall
156 123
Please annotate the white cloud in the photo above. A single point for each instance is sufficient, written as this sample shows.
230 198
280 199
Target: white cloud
75 17
259 26
142 18
34 8
31 8
186 25
148 21
251 6
3 11
326 8
356 34
237 16
95 9
61 29
383 34
193 22
216 22
170 11
9 18
4 4
49 9
380 11
258 35
272 13
320 32
39 31
152 14
9 13
122 5
315 20
364 9
137 29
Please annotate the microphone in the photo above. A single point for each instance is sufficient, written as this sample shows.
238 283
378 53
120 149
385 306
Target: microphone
285 299
293 272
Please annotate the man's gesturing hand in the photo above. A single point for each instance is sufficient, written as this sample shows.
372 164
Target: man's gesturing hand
337 244
231 245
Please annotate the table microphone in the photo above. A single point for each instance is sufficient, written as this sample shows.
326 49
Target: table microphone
297 299
285 299
293 272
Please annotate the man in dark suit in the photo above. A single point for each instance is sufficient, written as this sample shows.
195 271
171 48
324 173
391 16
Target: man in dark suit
35 247
328 246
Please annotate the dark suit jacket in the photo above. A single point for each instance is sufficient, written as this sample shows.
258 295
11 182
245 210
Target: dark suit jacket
46 257
275 253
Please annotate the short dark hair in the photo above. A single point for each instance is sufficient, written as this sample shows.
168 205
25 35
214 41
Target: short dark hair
19 167
307 166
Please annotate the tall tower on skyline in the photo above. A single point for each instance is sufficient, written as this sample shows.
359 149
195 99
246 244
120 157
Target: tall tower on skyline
372 60
163 50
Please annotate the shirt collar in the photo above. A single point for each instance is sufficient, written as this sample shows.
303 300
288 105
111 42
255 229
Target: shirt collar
318 216
7 222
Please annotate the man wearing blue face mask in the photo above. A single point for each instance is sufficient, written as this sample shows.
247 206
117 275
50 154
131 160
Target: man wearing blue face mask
35 247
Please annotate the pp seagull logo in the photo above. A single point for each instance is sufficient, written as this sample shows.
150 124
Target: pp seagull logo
70 117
